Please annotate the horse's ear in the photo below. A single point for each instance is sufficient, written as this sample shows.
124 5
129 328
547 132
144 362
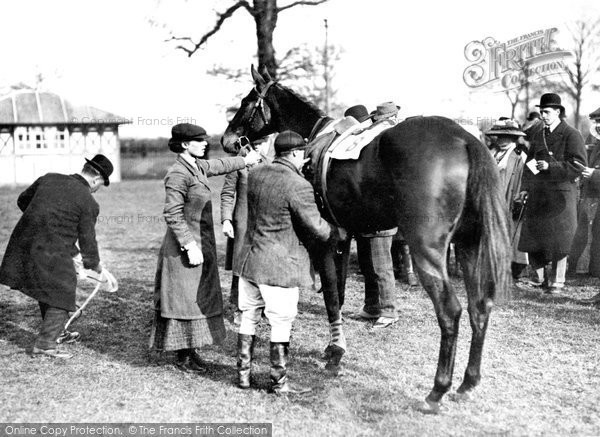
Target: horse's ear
265 73
258 79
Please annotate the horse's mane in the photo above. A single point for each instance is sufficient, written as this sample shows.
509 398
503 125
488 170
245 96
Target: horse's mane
303 99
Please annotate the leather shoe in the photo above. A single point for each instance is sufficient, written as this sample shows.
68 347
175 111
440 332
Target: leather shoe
384 322
68 337
54 353
365 315
188 365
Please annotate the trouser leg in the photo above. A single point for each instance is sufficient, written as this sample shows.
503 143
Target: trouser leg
52 325
379 281
363 251
251 304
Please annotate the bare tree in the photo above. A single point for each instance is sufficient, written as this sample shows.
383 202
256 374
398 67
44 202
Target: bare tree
265 14
585 37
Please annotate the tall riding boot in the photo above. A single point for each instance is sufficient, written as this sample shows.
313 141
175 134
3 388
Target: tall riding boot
408 266
244 363
279 380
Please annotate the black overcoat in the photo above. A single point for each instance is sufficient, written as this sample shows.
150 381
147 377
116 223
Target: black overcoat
551 214
58 210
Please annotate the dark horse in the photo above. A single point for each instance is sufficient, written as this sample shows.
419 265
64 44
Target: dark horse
429 177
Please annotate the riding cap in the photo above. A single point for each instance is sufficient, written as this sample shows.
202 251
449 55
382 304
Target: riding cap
287 141
103 165
185 132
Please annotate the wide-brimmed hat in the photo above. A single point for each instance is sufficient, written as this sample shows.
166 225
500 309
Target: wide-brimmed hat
551 100
359 112
103 165
595 115
287 141
185 132
506 127
385 110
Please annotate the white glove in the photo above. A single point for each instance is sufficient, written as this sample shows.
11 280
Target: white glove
194 254
228 229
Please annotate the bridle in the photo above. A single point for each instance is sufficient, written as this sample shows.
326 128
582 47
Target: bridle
259 108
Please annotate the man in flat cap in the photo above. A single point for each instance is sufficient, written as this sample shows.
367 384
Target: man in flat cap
58 212
283 221
555 160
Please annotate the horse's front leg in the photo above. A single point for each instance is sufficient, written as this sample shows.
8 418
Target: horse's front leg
329 266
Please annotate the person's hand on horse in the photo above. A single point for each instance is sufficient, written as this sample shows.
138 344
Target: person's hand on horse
252 158
228 229
587 172
194 254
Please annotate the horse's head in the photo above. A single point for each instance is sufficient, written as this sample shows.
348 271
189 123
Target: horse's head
256 117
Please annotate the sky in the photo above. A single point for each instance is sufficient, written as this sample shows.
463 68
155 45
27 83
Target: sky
112 54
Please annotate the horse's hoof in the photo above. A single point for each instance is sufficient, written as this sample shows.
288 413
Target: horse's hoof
431 407
334 369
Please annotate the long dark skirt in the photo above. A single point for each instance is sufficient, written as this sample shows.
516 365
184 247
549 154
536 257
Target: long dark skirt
175 334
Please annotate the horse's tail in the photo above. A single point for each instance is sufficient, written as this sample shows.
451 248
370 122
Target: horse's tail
487 224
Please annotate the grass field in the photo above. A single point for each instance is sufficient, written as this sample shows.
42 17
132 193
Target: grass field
541 368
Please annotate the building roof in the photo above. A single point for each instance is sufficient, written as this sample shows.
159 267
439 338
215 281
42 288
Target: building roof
30 107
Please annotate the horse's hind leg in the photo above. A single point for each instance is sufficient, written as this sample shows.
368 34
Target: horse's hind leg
479 308
430 260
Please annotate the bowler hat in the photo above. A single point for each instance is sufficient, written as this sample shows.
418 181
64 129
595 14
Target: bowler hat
506 127
385 110
287 141
103 165
551 100
533 115
185 132
359 112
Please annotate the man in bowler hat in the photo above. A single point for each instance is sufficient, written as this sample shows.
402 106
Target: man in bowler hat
58 212
555 160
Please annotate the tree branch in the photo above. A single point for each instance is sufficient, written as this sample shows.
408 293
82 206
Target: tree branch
298 3
220 20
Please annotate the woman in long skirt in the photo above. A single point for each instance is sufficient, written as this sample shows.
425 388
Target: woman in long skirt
187 295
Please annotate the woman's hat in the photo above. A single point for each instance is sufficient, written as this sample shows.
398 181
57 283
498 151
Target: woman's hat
287 141
185 132
551 100
359 112
103 165
506 127
385 110
595 115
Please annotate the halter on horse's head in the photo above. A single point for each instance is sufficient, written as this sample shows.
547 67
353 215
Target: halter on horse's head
254 119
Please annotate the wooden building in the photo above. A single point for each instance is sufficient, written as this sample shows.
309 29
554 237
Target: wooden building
40 132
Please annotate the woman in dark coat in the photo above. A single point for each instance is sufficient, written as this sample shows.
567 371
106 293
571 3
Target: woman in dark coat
551 214
187 296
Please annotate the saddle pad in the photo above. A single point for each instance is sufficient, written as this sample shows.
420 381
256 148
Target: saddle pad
350 143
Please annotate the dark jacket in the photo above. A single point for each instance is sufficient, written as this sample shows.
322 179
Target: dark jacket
234 207
58 210
183 291
551 214
591 187
283 220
